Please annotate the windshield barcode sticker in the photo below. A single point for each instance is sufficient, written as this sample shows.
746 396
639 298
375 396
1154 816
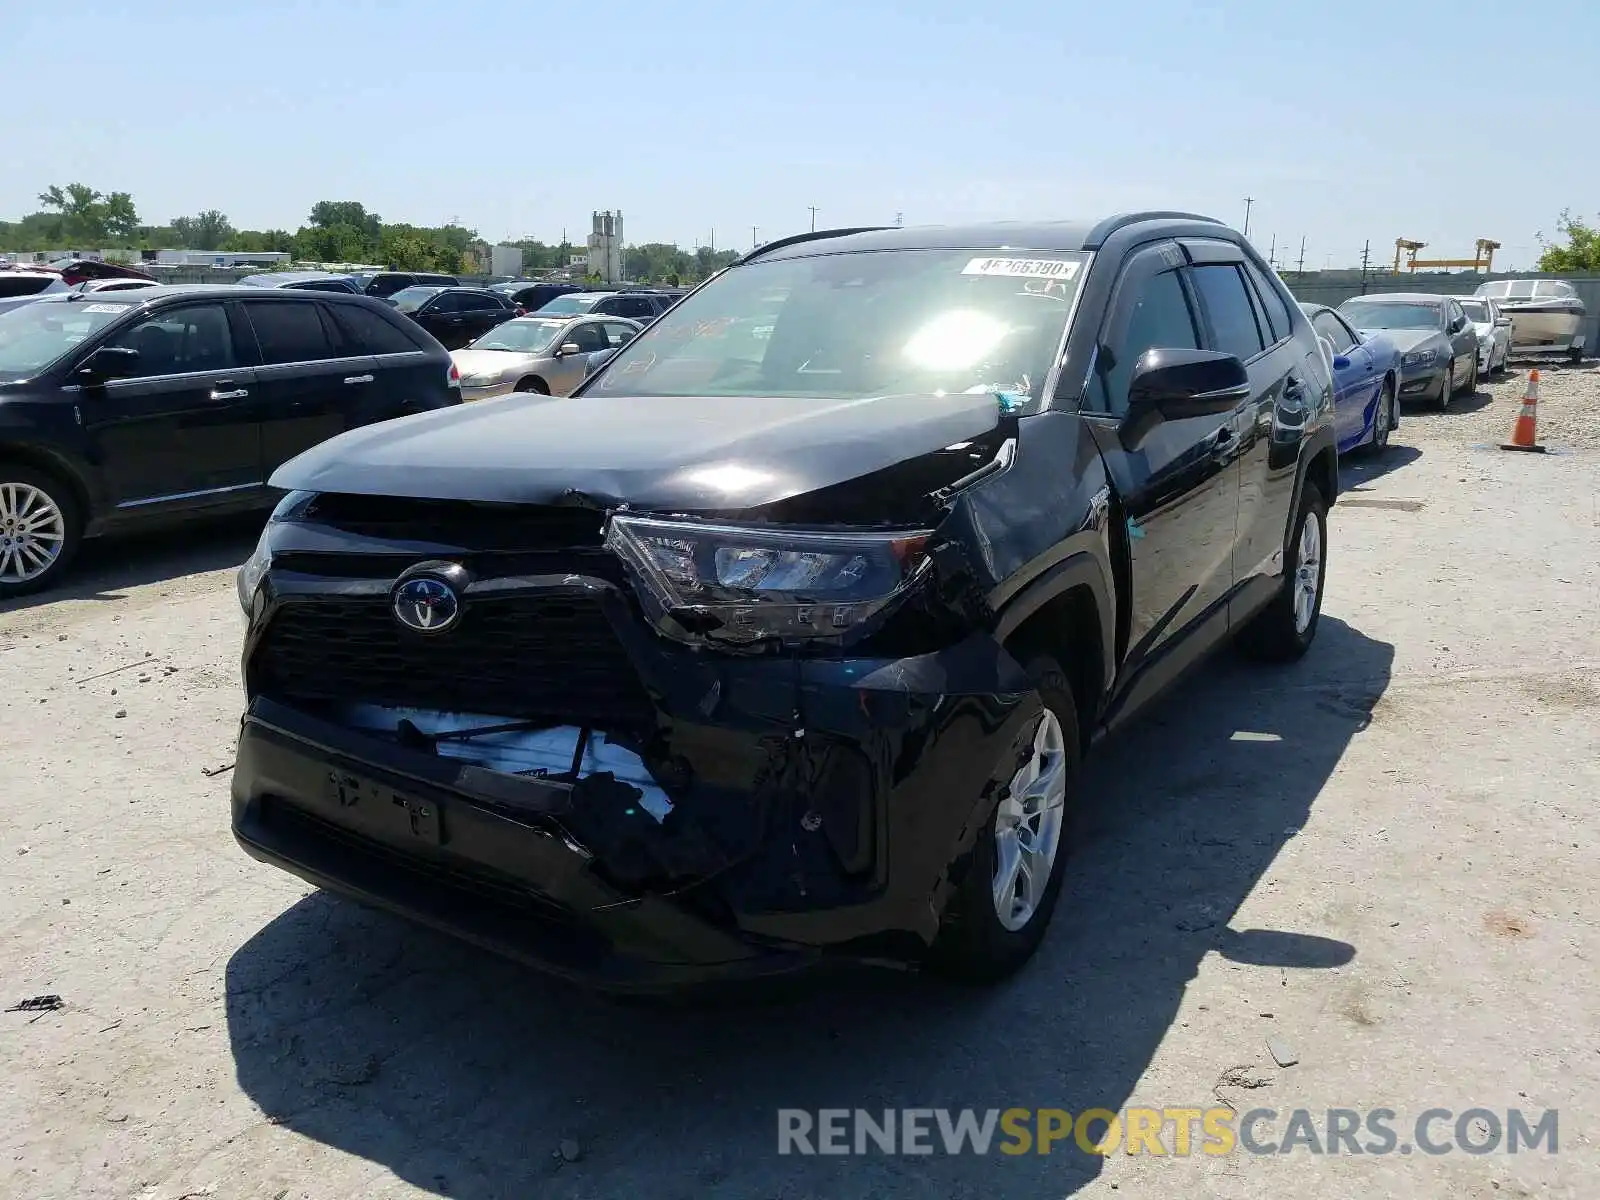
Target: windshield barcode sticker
1022 268
104 308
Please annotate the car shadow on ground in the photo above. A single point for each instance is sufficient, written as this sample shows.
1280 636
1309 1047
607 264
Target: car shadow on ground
1361 467
462 1074
107 567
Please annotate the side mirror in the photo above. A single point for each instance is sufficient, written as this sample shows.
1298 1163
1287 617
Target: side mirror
1341 362
110 362
1173 385
567 348
1502 321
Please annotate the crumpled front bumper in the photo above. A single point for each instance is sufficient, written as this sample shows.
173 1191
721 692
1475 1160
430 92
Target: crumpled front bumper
864 813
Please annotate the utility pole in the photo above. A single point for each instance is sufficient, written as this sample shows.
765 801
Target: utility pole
753 242
1272 253
713 239
1301 269
813 208
1248 201
1366 252
899 220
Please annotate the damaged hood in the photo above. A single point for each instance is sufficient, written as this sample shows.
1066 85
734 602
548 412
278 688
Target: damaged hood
649 452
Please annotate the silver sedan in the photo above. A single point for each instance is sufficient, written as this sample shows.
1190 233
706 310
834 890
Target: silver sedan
546 355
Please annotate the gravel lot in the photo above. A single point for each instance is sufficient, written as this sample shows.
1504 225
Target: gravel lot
1386 858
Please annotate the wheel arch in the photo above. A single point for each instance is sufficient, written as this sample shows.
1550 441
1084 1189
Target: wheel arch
1068 614
58 466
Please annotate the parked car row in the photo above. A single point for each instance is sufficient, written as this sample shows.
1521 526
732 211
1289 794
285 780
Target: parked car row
127 408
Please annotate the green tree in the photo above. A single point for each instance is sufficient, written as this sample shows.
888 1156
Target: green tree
120 216
334 243
259 239
83 215
327 214
1582 251
208 230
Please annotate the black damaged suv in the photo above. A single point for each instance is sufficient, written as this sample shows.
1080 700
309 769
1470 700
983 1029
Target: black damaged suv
783 638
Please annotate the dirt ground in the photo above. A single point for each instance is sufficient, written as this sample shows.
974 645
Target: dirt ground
1386 858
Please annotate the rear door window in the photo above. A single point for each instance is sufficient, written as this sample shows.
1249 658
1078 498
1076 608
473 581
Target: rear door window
1331 327
1271 302
366 332
1228 307
288 332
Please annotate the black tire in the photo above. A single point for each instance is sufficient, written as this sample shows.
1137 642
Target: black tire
1448 390
533 384
1382 421
972 945
1274 635
1575 357
66 502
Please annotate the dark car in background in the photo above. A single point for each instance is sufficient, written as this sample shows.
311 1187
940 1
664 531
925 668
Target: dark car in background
454 315
120 409
530 297
387 283
785 638
76 270
310 281
1437 342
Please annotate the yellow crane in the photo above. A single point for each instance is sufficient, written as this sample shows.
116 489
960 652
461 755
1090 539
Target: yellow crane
1482 259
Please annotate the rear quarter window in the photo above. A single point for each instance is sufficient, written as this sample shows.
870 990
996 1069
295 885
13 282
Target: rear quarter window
368 332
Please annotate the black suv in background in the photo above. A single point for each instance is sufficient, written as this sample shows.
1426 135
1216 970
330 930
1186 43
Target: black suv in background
387 283
454 315
785 638
123 408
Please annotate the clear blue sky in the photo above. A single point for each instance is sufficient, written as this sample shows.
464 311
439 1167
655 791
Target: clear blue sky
1443 121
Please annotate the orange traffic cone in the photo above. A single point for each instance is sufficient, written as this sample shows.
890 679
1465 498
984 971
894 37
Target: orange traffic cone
1524 434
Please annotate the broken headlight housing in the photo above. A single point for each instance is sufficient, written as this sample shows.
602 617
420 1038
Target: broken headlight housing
745 584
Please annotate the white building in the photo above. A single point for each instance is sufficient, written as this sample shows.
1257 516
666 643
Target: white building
605 247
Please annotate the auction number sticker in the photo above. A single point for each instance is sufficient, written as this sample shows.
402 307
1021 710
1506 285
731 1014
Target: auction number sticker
1022 268
104 308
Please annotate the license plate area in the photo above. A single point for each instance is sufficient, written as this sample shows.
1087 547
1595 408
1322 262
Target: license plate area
382 811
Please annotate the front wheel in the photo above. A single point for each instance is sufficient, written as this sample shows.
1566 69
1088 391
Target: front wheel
1012 880
39 530
1383 419
1284 630
1449 388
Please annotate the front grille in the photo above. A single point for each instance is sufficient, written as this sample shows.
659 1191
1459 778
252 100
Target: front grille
482 526
533 657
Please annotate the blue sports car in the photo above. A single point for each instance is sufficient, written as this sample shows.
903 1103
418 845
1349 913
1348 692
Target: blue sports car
1366 374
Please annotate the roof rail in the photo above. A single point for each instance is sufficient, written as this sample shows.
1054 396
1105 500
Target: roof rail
1110 225
814 235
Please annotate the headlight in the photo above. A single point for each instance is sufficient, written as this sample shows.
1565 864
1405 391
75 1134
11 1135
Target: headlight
253 572
476 380
1419 358
742 584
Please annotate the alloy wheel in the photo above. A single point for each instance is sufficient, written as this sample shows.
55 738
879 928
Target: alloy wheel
33 531
1028 825
1307 572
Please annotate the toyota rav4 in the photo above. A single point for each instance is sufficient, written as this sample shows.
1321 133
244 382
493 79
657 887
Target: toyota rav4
783 638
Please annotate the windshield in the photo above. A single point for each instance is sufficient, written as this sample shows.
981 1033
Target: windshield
35 335
1477 311
412 298
572 302
522 335
849 326
1372 315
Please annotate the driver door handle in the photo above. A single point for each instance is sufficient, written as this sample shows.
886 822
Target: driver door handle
223 389
358 378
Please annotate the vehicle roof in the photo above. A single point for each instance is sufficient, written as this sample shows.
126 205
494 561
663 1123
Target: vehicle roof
1403 297
1064 235
296 276
218 291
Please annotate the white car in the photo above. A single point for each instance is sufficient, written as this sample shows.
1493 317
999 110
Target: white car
1493 328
